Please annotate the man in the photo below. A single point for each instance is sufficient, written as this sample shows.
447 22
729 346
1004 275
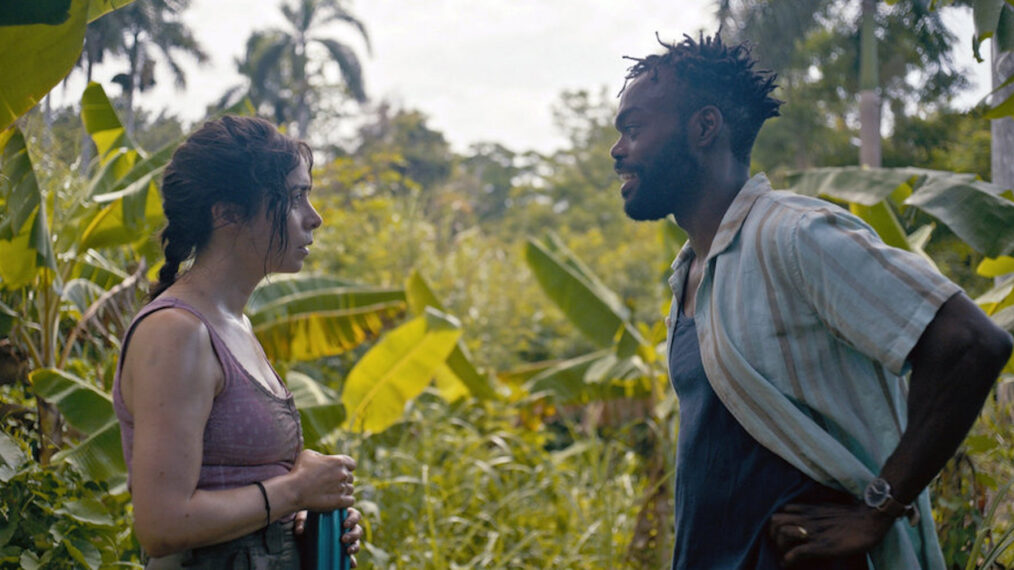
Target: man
792 327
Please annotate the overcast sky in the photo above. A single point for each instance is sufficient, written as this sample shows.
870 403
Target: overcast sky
482 70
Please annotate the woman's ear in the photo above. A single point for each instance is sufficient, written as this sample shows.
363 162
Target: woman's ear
224 214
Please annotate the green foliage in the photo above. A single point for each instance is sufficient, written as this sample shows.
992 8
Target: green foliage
972 505
306 317
595 310
817 48
457 376
51 516
423 155
978 212
24 237
943 140
464 486
89 411
54 519
566 460
35 57
397 369
320 410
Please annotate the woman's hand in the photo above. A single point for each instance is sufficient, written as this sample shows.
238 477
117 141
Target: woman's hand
353 534
350 538
323 482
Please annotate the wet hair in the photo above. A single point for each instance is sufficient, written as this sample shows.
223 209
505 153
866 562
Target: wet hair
713 73
238 161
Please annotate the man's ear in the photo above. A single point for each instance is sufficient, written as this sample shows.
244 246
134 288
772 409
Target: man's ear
705 126
223 214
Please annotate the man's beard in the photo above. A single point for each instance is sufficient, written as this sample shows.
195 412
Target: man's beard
658 185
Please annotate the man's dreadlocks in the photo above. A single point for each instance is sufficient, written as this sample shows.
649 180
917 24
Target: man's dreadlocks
712 73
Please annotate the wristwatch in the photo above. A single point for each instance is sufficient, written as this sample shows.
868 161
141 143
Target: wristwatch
878 496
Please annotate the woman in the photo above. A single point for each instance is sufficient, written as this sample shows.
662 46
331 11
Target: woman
211 435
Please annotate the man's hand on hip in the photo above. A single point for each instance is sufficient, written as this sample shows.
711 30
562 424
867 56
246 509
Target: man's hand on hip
803 532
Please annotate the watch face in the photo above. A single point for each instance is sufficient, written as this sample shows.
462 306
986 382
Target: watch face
877 492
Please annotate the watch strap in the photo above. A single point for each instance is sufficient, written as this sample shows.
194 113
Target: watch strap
893 507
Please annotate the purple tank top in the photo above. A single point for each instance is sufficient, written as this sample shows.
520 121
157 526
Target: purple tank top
251 434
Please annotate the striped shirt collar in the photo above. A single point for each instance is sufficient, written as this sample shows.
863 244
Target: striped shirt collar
734 217
729 227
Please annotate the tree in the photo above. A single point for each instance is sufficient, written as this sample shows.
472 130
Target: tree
145 27
102 37
827 55
286 67
1003 127
869 98
579 180
490 170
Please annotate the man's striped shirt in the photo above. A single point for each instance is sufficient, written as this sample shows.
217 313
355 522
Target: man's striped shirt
805 319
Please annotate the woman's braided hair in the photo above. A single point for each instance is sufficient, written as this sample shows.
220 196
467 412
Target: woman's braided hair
712 73
240 161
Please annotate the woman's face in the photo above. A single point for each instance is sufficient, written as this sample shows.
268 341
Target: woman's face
301 220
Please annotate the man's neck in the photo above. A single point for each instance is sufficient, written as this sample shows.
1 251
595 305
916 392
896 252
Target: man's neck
717 191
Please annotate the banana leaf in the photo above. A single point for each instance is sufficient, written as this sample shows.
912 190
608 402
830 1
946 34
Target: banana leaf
396 370
595 310
126 179
102 123
35 57
976 211
12 457
996 266
595 376
96 268
99 456
25 244
319 408
458 376
318 322
85 407
277 286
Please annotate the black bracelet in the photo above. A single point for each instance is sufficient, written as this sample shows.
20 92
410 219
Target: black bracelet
267 504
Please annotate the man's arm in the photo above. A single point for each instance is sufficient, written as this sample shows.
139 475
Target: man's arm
954 365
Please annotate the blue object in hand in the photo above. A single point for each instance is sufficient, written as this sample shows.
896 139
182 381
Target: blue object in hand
331 554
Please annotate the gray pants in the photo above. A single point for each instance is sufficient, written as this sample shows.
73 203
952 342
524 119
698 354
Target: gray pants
270 548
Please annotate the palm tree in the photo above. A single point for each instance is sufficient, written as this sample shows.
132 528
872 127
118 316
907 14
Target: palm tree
796 37
284 66
145 27
103 37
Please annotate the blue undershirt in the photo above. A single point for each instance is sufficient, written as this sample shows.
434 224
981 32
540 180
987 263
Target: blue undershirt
727 484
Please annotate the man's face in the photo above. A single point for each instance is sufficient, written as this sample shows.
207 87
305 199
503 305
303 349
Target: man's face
651 155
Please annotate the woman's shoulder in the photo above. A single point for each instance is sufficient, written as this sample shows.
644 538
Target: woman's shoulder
175 334
170 322
170 354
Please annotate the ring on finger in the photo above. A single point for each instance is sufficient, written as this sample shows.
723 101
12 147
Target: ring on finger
802 531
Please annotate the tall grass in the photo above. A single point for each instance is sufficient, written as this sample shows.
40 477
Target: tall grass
467 486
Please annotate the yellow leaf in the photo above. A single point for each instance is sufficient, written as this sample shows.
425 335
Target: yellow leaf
996 266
